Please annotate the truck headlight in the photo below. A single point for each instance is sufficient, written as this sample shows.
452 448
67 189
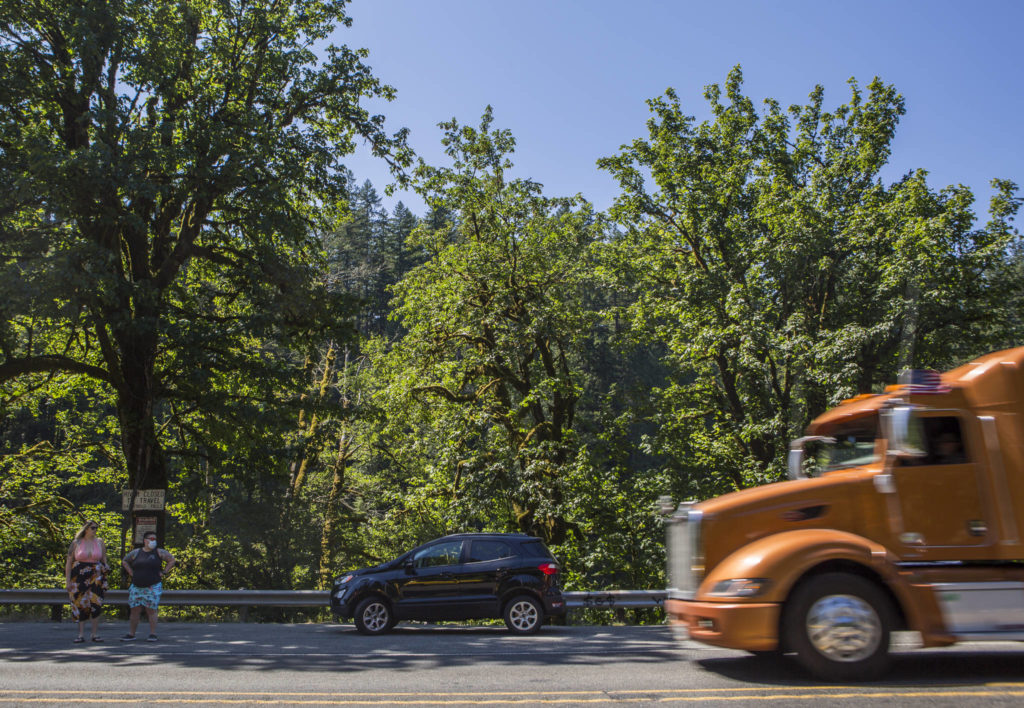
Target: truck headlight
740 587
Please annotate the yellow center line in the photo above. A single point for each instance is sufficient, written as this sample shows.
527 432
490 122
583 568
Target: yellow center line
575 701
998 690
445 694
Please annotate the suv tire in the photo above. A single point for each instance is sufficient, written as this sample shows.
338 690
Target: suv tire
523 615
374 616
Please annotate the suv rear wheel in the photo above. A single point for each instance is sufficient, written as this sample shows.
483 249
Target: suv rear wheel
523 615
373 616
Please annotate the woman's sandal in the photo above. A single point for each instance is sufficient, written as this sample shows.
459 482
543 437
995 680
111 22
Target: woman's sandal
79 640
97 639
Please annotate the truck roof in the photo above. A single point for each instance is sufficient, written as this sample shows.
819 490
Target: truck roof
987 381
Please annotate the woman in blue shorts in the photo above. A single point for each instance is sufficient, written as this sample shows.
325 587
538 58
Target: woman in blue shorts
145 566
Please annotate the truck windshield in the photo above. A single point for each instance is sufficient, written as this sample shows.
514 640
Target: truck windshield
848 452
854 446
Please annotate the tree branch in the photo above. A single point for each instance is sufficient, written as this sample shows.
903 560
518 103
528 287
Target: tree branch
12 368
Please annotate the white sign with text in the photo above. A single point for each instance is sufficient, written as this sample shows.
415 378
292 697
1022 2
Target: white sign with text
145 499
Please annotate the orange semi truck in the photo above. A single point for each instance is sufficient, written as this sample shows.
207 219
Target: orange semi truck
904 511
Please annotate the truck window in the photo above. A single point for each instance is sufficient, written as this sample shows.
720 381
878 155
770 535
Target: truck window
854 446
937 440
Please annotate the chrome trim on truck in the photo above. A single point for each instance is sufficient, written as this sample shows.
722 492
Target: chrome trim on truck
992 609
683 545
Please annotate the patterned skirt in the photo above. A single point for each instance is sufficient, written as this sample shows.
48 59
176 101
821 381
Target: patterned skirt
145 597
90 585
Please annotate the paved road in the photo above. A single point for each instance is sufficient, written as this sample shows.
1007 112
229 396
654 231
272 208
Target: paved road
332 665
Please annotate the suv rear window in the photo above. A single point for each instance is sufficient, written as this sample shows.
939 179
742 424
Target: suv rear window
536 549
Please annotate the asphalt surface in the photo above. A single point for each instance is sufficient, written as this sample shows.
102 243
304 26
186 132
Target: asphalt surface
425 665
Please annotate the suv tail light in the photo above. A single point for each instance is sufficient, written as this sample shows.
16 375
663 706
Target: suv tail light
548 568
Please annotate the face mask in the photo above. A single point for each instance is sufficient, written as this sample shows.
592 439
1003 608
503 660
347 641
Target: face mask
151 544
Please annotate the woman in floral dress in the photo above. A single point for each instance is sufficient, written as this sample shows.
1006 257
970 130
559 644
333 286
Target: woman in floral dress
85 575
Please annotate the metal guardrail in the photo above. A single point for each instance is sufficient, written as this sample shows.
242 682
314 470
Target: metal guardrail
607 599
615 599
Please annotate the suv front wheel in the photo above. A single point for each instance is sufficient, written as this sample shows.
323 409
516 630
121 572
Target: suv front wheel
373 616
523 615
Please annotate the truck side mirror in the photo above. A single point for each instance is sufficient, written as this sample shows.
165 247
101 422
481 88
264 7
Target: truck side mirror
796 453
795 462
896 425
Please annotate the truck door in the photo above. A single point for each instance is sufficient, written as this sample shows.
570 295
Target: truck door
942 507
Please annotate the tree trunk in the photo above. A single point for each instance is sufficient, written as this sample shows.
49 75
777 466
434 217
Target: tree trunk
332 516
137 393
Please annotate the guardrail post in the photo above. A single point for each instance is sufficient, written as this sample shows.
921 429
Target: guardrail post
55 612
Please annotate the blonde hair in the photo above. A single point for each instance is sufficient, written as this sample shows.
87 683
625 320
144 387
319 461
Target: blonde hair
81 531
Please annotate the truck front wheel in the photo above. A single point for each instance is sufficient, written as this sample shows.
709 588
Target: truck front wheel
838 624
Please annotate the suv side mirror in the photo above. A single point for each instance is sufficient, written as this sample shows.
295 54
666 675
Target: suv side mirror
410 567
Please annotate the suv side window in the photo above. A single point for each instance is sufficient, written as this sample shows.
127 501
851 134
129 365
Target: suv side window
446 553
486 550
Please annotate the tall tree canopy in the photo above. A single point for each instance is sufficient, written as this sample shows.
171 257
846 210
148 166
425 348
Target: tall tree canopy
164 166
783 275
194 293
495 319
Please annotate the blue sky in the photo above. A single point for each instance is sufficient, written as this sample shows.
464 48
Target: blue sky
570 78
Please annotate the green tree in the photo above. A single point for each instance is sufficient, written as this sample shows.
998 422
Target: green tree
368 253
490 366
166 165
1007 277
782 275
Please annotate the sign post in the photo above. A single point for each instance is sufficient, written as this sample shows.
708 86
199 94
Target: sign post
145 500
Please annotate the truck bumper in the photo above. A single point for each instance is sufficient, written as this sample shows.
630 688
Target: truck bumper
751 627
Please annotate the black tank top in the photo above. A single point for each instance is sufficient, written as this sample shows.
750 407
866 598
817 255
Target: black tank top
146 568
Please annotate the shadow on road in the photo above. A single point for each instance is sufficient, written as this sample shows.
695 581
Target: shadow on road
919 668
338 648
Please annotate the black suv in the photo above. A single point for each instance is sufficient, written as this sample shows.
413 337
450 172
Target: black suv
458 577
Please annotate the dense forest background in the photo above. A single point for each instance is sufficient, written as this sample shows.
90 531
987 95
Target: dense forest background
197 295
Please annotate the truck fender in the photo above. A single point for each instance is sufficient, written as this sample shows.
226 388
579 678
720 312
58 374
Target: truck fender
784 558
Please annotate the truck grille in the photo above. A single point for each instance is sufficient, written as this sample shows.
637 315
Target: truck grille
685 552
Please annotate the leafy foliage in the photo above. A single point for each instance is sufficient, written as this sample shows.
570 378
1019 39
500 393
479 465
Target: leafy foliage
195 293
494 323
783 276
170 166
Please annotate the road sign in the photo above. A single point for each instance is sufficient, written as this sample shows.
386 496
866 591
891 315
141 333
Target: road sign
143 525
145 499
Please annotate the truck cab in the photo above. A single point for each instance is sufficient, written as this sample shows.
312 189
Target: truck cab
902 512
